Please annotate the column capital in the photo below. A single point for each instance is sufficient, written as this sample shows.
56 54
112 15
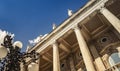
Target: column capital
75 27
102 9
54 43
102 5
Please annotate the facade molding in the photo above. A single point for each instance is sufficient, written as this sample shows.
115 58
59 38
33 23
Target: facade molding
81 17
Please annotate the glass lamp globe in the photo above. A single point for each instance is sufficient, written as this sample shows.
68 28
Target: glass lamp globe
3 52
33 63
33 67
18 44
30 67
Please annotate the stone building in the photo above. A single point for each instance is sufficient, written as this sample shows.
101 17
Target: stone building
89 40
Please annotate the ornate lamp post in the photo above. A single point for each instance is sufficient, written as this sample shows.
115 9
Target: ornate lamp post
11 57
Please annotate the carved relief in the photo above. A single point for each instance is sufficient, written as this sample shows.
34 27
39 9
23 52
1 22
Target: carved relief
105 40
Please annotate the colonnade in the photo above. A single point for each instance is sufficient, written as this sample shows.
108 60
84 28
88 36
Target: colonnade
87 57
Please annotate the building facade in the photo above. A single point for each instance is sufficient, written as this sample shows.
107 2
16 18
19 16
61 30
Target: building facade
89 40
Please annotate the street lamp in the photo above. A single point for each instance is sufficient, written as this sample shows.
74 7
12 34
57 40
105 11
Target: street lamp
3 51
11 57
33 67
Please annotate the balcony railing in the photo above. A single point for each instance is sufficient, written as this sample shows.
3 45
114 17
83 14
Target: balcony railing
114 68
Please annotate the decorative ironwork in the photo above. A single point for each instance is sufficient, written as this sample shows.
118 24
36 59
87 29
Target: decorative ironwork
14 57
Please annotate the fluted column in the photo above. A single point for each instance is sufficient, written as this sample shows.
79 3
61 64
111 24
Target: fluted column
111 18
56 59
84 50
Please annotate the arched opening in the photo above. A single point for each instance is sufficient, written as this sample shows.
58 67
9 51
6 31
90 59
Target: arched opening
114 59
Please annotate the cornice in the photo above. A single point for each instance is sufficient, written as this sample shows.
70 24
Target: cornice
68 24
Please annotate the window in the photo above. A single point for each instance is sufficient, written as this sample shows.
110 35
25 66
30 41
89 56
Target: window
104 39
63 68
62 65
114 59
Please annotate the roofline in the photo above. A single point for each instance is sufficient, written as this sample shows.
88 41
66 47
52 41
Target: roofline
63 24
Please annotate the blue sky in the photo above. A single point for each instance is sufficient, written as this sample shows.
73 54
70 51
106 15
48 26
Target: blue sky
28 19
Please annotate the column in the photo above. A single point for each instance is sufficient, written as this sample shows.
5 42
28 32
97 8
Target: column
56 60
72 66
84 50
111 18
98 61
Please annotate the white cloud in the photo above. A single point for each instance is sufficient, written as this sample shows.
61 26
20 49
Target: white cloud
36 40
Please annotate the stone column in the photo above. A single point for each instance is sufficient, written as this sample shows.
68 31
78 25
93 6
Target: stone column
98 61
84 50
56 59
72 66
111 18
